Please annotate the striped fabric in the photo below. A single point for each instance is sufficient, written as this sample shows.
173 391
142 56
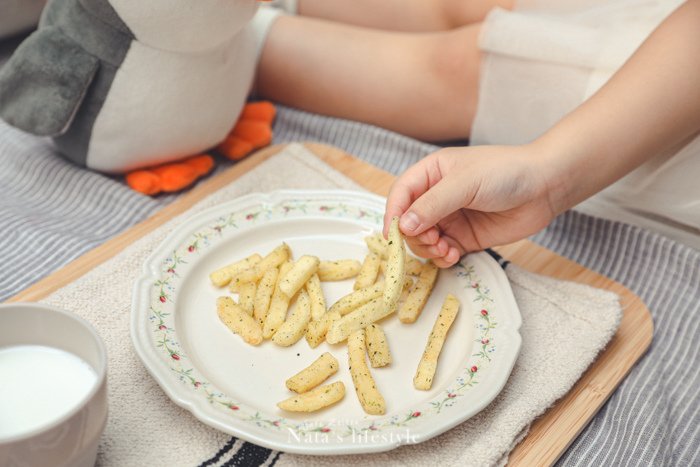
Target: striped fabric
52 212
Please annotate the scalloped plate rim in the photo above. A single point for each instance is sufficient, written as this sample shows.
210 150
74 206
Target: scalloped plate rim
200 408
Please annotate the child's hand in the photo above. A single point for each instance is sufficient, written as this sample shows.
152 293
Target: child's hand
459 200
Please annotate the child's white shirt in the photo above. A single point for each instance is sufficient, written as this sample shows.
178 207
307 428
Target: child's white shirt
545 58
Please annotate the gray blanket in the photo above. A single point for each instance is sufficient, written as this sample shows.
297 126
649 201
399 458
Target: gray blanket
52 212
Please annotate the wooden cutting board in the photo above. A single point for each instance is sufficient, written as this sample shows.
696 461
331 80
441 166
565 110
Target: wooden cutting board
552 433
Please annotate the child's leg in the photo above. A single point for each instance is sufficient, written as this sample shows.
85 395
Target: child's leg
402 15
423 85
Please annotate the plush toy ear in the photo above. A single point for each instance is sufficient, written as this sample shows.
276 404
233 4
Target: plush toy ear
44 83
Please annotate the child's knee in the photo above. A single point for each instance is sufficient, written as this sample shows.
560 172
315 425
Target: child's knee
454 68
459 12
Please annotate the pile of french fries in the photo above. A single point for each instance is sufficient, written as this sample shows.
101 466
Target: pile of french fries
388 281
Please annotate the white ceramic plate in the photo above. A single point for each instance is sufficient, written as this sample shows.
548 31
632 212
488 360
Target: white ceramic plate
234 387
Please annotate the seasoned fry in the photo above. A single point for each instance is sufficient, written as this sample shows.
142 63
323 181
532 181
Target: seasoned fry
295 326
357 298
248 275
279 304
246 295
382 267
362 317
316 332
273 259
396 267
295 279
238 321
407 285
266 288
369 271
371 400
314 374
359 318
377 244
428 363
377 346
222 277
338 270
316 399
413 265
419 294
318 301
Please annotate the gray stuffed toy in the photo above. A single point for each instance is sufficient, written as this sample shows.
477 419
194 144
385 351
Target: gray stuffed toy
125 84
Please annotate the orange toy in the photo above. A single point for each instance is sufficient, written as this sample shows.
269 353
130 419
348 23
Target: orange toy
252 131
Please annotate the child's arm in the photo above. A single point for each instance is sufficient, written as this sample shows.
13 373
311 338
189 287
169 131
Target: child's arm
459 200
651 104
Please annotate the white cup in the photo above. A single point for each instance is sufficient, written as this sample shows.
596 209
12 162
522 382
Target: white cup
70 438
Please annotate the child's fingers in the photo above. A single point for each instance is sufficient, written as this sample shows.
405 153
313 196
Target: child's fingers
410 185
442 199
439 249
429 237
427 252
449 260
446 260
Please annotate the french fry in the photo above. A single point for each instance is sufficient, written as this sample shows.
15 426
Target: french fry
357 298
273 259
411 309
246 295
297 276
313 375
396 267
359 318
266 288
279 304
377 346
338 270
407 285
377 244
362 317
222 277
413 265
371 400
316 399
295 326
243 277
368 272
238 321
318 301
428 363
316 332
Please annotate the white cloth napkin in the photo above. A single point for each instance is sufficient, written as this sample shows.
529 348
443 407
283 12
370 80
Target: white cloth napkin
565 325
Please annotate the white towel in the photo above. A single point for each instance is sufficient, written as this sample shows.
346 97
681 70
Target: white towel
565 325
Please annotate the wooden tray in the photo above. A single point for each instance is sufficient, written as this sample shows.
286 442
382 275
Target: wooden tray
552 433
